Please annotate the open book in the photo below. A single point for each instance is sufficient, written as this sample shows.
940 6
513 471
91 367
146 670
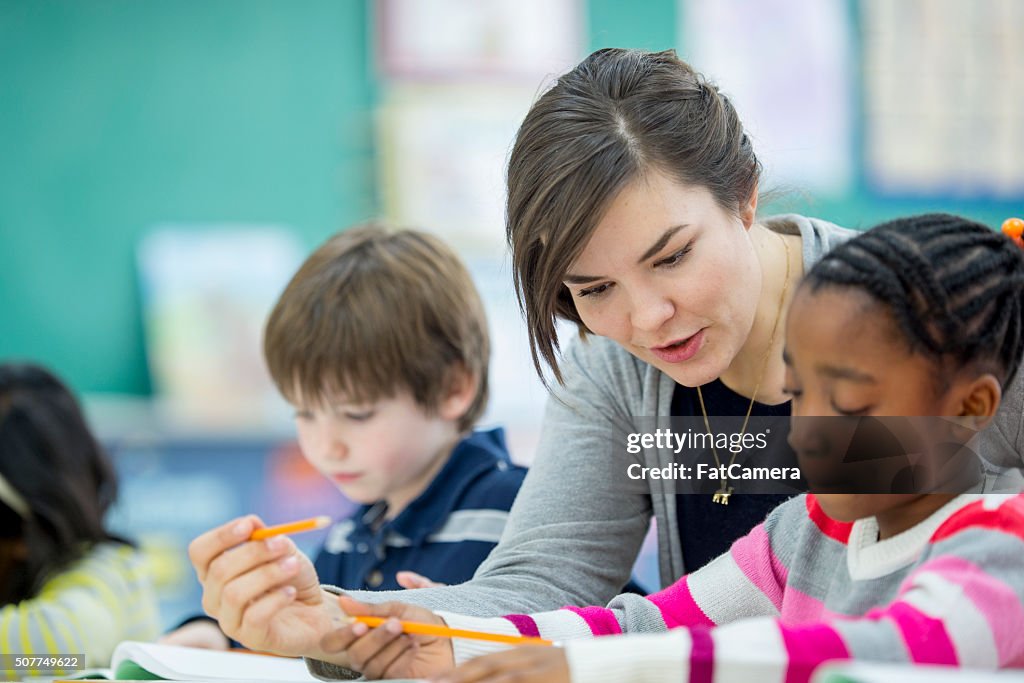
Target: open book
146 661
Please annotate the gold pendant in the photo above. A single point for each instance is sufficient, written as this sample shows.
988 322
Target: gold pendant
722 495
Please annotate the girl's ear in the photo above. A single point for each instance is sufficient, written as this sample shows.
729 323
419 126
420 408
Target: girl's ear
748 210
462 388
980 400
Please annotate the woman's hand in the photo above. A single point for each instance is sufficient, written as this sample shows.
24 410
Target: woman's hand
384 651
525 664
264 594
201 633
407 579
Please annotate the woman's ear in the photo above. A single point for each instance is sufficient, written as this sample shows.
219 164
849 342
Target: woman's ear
461 392
980 400
748 210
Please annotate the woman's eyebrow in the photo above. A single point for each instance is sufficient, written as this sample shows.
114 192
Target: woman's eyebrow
655 248
581 279
662 241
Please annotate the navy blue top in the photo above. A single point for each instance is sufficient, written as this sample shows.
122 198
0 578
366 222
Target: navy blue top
444 534
707 528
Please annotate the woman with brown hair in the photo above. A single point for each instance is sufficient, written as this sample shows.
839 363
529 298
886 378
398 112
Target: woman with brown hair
632 197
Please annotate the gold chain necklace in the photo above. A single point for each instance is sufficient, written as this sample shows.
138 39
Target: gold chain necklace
725 491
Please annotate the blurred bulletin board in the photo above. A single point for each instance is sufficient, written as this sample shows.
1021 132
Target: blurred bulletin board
503 39
442 155
206 293
944 97
207 290
881 182
457 78
794 97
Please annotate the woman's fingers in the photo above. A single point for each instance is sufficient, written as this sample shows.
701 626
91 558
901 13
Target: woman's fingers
381 664
372 643
342 639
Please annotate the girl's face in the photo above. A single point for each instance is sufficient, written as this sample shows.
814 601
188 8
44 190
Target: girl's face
846 356
670 276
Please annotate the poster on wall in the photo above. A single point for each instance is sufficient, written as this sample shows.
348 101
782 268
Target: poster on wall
206 292
944 97
794 98
493 39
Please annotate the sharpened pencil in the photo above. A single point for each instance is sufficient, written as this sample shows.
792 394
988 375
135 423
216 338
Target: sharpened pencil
299 526
446 632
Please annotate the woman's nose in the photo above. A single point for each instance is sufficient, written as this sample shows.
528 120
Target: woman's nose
650 310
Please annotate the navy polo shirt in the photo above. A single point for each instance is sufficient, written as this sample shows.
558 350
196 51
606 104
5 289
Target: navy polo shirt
444 534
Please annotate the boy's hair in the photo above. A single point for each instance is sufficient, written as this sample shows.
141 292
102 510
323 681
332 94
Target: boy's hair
953 286
616 116
61 482
374 311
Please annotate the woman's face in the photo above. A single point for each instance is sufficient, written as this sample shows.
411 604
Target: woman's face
670 276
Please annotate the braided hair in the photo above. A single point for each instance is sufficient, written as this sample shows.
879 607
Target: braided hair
951 284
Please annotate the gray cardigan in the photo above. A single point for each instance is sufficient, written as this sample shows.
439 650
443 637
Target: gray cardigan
567 544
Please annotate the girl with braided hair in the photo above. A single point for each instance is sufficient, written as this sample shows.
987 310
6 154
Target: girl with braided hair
917 317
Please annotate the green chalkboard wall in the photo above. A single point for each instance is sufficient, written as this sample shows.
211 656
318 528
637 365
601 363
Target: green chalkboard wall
116 115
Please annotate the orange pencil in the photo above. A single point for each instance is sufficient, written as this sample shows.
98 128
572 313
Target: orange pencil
291 527
445 632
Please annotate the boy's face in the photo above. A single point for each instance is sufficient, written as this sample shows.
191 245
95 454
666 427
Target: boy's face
388 450
845 356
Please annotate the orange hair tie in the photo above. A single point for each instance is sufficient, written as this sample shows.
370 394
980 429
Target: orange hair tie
1014 229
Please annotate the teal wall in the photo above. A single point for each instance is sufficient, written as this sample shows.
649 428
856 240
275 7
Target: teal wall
116 115
650 24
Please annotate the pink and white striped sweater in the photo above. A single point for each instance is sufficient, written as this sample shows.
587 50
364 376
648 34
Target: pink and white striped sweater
802 589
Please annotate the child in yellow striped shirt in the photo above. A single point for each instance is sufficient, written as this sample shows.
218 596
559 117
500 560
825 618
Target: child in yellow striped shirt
67 585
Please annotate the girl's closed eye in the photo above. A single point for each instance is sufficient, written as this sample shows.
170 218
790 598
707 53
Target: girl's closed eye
850 412
359 416
303 414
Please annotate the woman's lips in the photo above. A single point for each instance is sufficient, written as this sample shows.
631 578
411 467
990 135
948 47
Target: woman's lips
345 478
679 351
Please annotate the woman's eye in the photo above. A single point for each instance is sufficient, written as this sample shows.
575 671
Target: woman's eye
359 417
673 259
594 291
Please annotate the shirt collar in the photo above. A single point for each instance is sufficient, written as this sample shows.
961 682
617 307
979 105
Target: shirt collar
476 454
